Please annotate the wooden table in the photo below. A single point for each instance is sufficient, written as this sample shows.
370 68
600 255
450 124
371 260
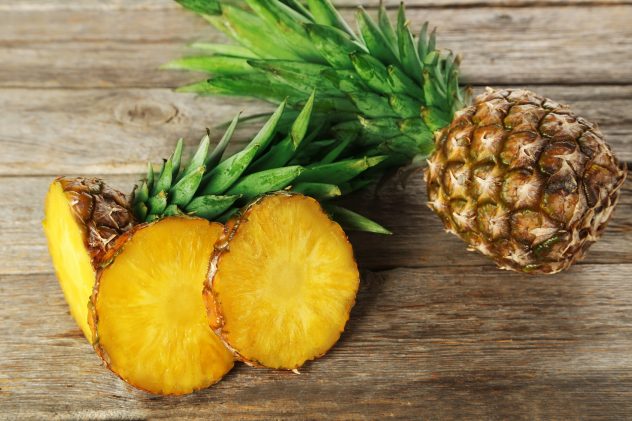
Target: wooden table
438 332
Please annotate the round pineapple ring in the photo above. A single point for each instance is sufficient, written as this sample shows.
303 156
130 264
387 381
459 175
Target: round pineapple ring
282 282
147 311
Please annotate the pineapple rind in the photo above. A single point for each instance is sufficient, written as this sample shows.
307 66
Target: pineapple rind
524 181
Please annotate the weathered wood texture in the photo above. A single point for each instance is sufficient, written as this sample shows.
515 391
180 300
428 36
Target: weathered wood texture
438 332
421 344
38 5
90 48
84 131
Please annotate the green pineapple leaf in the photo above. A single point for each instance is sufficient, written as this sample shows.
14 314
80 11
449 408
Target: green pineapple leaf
184 190
265 181
176 158
325 14
157 203
288 25
374 39
282 152
386 27
220 178
339 172
216 155
371 71
215 65
210 206
334 45
198 159
203 7
252 32
149 180
354 221
319 191
164 180
226 50
407 52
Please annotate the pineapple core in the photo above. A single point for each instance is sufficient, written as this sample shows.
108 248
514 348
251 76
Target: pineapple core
150 317
71 259
284 286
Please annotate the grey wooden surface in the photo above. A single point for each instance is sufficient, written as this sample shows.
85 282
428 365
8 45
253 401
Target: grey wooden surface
438 332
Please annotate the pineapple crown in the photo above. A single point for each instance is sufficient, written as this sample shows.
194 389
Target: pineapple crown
381 90
357 106
276 158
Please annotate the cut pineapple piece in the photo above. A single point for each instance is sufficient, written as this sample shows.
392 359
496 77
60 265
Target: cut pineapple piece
71 258
147 310
282 282
82 218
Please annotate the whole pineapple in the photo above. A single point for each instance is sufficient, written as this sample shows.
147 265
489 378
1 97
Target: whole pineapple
517 176
523 180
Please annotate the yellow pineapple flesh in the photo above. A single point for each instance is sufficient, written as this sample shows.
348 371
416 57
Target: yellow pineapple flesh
70 257
148 315
282 283
82 218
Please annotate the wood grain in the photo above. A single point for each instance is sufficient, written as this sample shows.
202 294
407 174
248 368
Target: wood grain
421 343
38 5
115 131
124 48
418 239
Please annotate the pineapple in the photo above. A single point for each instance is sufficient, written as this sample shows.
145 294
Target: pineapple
282 282
523 180
147 312
83 217
517 176
150 253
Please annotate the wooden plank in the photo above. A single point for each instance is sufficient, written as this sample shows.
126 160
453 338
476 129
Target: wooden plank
418 239
123 48
449 344
103 131
117 131
37 5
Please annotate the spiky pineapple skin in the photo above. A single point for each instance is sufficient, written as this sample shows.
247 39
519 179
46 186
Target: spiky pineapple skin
103 211
523 180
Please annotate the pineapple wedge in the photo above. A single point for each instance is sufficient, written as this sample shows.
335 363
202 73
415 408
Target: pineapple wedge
83 216
282 282
147 313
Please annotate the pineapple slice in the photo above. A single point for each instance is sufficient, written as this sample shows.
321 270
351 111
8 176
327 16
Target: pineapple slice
147 311
282 282
82 218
